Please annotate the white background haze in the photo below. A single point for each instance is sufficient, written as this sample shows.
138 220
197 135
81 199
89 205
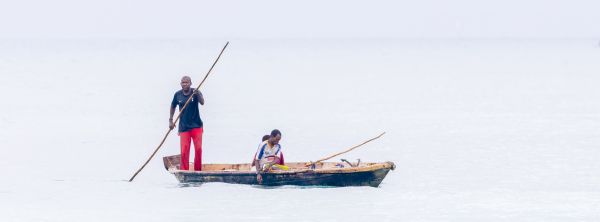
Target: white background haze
491 108
232 19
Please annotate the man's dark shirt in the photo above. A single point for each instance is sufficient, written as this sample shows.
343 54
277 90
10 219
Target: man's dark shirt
190 117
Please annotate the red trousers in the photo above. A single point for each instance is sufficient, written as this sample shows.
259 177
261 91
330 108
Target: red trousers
186 137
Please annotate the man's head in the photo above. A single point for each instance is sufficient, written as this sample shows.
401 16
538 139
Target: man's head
186 83
275 137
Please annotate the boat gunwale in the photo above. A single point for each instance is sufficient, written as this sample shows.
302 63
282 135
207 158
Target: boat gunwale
368 168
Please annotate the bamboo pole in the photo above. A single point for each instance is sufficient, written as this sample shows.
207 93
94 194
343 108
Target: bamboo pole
179 114
348 150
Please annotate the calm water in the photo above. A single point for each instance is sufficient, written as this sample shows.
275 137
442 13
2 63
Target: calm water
480 130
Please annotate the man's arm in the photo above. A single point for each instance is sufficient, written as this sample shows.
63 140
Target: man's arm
171 124
258 167
200 97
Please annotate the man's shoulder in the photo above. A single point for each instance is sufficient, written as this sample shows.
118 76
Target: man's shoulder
180 92
262 144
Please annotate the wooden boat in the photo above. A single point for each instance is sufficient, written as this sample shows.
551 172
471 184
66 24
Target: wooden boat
323 174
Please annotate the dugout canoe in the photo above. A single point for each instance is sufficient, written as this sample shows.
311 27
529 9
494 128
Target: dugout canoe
324 174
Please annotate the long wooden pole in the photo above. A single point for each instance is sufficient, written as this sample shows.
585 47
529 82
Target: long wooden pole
348 150
179 114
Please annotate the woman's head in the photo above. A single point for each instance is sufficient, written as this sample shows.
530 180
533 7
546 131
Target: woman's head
265 138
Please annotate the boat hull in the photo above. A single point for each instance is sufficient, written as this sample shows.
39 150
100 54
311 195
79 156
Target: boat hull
369 175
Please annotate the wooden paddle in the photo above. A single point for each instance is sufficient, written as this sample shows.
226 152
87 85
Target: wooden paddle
179 114
348 150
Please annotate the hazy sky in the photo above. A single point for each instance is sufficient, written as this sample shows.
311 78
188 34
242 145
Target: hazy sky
299 19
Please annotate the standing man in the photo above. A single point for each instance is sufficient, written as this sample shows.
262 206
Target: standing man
190 124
